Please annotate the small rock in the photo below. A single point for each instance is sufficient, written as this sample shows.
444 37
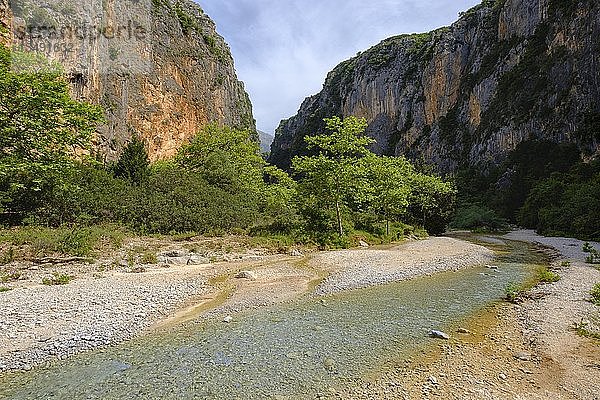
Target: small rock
329 364
525 371
228 319
246 275
491 266
433 380
196 259
296 253
464 331
439 335
362 243
502 376
522 356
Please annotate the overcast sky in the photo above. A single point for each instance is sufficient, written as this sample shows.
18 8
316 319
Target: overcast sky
283 49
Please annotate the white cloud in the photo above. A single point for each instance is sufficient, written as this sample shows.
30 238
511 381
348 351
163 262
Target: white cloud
283 49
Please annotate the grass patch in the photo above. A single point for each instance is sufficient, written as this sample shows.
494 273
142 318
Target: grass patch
4 289
10 276
596 294
149 257
548 276
37 241
583 331
57 279
513 291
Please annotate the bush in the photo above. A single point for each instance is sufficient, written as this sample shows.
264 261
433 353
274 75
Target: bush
593 254
512 292
57 279
596 294
547 276
149 258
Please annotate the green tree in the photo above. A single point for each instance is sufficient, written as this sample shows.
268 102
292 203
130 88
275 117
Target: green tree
329 177
431 202
280 192
133 164
226 157
42 130
390 178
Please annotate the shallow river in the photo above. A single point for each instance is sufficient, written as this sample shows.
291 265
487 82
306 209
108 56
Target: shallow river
293 350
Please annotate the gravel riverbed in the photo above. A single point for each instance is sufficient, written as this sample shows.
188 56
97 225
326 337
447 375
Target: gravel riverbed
354 269
40 323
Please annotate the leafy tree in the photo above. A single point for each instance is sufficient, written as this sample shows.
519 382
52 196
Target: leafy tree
330 176
390 178
226 157
279 193
42 129
133 164
431 202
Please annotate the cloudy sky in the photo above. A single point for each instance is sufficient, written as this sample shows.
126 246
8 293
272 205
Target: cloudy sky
283 49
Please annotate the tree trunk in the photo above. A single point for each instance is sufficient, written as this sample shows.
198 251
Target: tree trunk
387 227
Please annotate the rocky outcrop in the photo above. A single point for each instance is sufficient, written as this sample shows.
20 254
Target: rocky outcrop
158 67
5 18
505 72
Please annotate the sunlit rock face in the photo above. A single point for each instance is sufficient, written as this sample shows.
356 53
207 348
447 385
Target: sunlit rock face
158 67
505 72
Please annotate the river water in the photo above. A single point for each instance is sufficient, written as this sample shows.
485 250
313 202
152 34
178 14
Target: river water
294 350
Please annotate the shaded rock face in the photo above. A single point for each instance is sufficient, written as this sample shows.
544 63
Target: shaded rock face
466 95
5 18
158 67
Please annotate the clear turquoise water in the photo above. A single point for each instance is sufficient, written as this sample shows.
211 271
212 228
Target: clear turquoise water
296 349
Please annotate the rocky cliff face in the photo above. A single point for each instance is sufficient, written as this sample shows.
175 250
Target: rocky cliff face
507 71
158 67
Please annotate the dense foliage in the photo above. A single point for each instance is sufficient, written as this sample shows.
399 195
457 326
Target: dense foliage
217 183
41 130
542 185
345 186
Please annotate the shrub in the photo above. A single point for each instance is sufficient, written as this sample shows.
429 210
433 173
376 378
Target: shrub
4 289
593 254
565 264
76 241
9 276
547 276
512 292
57 279
149 258
596 294
587 247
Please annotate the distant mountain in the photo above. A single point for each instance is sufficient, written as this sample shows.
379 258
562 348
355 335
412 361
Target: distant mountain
506 72
265 141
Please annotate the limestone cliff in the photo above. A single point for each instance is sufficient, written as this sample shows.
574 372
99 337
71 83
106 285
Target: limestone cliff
505 72
158 67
